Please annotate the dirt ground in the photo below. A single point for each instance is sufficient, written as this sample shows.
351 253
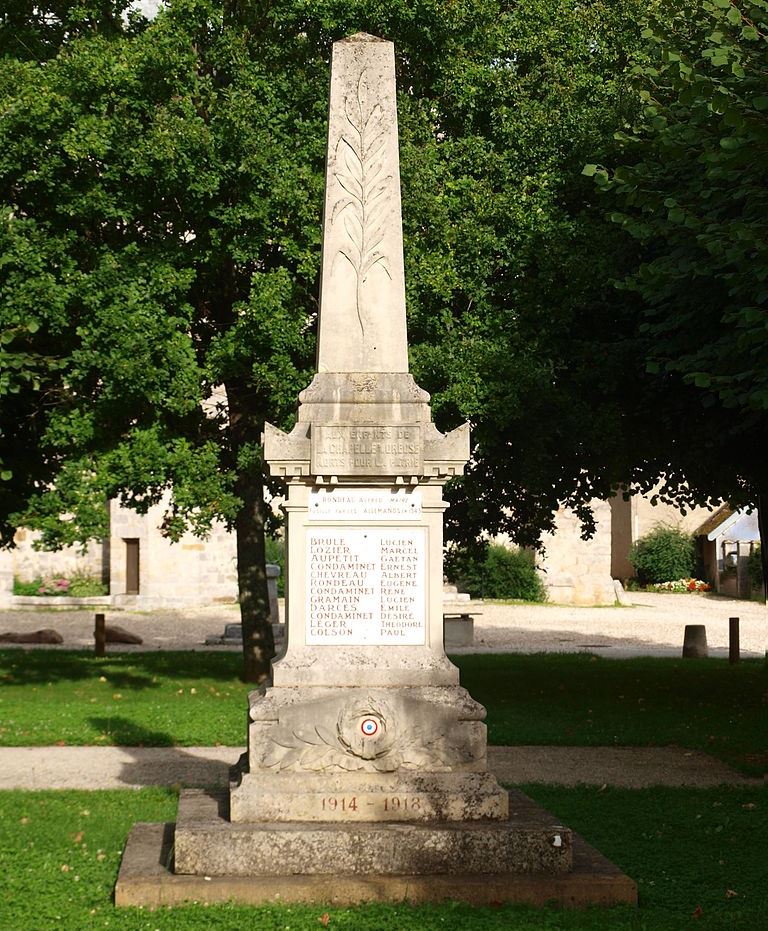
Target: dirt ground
652 626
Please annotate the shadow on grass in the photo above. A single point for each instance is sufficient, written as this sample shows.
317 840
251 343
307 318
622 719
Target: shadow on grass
126 670
562 699
156 762
126 733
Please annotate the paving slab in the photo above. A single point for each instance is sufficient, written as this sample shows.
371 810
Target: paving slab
200 767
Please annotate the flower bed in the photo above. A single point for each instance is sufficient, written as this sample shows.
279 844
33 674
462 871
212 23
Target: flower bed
681 585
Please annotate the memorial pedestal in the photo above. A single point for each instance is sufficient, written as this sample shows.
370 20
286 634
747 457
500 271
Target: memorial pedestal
366 774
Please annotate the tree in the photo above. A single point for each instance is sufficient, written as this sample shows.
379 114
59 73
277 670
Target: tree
694 193
162 191
153 187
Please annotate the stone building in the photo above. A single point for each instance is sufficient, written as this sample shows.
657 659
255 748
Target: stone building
139 566
142 568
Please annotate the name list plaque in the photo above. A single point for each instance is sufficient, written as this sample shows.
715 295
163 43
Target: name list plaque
366 586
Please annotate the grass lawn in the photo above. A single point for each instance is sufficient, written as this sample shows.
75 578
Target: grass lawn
188 699
696 855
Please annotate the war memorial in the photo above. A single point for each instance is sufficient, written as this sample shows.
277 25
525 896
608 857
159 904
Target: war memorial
365 777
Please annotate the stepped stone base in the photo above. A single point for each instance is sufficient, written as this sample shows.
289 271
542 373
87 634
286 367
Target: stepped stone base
147 876
208 843
360 797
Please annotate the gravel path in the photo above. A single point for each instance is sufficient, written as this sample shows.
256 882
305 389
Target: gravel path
132 767
652 626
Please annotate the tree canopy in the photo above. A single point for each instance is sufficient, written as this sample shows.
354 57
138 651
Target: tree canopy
160 201
693 192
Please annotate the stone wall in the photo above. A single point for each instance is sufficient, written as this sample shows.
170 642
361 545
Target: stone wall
192 571
27 563
577 571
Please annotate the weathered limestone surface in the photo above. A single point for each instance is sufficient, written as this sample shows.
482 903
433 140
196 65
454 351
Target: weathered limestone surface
577 571
364 693
146 878
366 759
362 295
208 842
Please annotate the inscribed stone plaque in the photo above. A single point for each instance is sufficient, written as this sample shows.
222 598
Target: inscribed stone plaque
364 504
366 586
366 449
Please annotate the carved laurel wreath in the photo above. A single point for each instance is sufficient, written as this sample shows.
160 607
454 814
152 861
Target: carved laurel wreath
361 151
319 748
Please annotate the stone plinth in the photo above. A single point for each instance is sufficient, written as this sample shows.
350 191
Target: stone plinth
207 842
147 878
355 797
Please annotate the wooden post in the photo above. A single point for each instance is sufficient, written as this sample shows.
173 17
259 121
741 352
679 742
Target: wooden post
100 636
734 654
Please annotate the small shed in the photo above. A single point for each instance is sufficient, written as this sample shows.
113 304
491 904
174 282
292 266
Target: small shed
726 541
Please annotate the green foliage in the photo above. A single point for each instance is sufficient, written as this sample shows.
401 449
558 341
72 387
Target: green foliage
151 699
582 700
77 585
512 574
664 554
495 571
163 185
85 585
147 699
685 847
755 567
33 587
674 890
691 190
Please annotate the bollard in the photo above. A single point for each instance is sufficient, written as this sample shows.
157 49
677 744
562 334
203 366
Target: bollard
734 652
100 636
695 642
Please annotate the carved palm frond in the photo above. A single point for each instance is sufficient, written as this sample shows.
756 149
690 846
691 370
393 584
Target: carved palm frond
365 182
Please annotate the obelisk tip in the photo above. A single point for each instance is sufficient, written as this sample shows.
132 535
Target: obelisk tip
362 37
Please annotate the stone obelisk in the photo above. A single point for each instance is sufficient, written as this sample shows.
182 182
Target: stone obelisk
365 723
365 775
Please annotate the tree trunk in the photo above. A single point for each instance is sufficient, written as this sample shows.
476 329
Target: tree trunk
258 638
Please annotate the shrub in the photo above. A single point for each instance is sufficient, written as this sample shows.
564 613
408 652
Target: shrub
20 587
84 585
78 585
755 567
494 571
663 555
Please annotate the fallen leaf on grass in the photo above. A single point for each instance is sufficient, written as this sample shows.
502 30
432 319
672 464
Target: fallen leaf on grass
78 837
324 919
730 894
698 912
